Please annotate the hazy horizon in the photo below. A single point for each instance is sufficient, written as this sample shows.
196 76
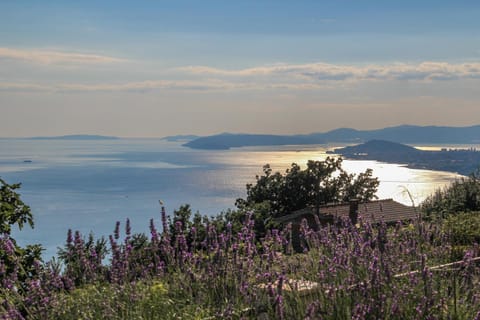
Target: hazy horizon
93 134
154 69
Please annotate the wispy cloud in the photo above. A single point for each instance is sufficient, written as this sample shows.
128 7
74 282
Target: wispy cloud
425 71
55 57
141 86
317 76
147 86
23 87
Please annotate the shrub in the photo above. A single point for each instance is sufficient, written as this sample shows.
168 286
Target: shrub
464 228
463 195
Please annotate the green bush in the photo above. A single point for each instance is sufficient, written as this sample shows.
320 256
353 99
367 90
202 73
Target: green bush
463 195
464 228
140 300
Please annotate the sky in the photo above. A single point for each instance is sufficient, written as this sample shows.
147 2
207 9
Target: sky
155 68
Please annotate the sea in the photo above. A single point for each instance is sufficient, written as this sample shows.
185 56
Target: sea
88 185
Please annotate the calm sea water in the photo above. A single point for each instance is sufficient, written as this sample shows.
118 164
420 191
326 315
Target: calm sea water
88 185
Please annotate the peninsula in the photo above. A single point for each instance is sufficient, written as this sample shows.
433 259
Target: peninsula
462 161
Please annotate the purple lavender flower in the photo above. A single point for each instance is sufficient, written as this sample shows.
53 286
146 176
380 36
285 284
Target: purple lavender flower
116 232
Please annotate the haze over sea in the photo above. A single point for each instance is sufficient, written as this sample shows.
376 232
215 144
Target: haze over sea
88 185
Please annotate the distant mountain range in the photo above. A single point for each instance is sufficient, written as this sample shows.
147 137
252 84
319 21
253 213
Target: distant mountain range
401 134
76 137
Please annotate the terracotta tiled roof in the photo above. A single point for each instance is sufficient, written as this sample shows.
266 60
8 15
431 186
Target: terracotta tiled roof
298 214
386 210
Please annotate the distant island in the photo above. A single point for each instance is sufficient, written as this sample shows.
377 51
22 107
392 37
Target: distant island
401 134
180 137
226 141
76 137
462 161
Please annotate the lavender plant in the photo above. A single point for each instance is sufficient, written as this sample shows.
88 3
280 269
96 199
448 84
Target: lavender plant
206 270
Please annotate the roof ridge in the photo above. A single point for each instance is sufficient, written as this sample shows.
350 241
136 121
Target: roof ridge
346 203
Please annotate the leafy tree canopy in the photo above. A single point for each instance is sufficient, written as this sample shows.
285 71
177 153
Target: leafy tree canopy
12 209
13 257
321 182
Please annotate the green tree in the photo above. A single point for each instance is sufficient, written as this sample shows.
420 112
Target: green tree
321 182
14 212
12 209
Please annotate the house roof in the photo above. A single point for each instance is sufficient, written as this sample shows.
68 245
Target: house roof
386 210
302 213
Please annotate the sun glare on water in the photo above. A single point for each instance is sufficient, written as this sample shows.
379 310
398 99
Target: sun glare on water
396 180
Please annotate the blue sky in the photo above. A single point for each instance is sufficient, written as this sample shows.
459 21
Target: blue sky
155 68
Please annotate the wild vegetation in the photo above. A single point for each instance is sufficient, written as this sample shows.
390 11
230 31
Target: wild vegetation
462 195
208 268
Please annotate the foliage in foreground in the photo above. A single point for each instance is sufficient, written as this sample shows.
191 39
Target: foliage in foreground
360 272
464 228
15 260
204 268
462 195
